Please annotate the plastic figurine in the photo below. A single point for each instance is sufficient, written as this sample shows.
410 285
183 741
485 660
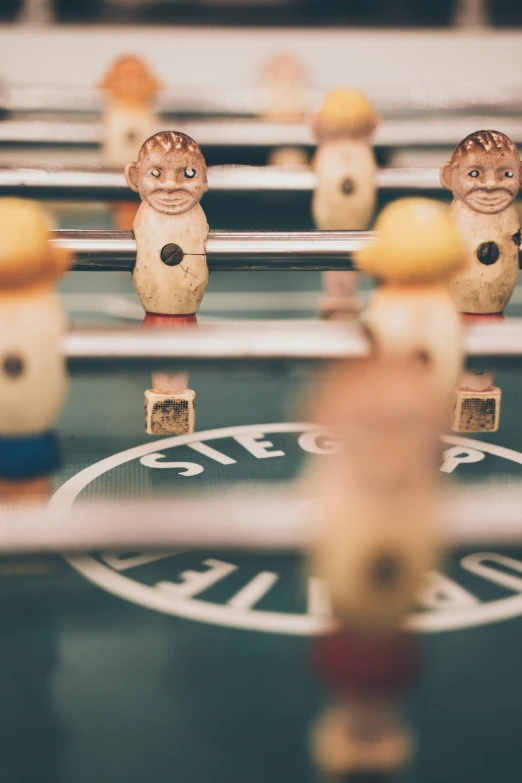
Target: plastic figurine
484 176
171 272
33 373
345 192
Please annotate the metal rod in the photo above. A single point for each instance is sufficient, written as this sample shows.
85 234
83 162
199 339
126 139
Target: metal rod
255 133
243 342
265 518
248 341
97 183
202 100
226 250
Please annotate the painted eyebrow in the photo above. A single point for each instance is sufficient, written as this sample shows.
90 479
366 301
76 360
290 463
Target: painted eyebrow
154 163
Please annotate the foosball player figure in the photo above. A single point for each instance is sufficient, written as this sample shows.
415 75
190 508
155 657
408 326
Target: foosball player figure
484 176
378 497
412 314
128 120
171 273
285 83
32 367
375 539
345 192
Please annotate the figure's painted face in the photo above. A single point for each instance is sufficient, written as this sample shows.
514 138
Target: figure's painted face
486 182
170 182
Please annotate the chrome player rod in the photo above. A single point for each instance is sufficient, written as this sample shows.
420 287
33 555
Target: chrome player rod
264 518
203 100
97 183
261 341
445 131
226 250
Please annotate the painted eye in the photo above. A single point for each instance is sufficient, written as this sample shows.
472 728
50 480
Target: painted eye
155 173
473 173
190 173
508 174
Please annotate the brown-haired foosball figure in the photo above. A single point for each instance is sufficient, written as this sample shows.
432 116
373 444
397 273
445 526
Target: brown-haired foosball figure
484 176
171 273
33 378
345 191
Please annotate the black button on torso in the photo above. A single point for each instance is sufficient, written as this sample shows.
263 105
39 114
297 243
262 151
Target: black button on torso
171 254
488 253
385 571
13 366
348 186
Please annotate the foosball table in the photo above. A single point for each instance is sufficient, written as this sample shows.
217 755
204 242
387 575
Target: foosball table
165 613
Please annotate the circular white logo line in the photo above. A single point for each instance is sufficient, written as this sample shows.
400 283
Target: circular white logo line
466 611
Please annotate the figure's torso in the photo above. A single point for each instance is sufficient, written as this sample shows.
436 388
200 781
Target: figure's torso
336 163
416 320
167 289
31 330
125 128
486 287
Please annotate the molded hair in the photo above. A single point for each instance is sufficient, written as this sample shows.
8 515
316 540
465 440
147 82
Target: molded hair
27 258
345 113
168 141
485 141
417 243
142 77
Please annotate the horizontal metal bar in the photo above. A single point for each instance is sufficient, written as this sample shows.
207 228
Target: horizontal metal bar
248 341
97 183
266 518
194 100
245 341
226 250
203 100
424 132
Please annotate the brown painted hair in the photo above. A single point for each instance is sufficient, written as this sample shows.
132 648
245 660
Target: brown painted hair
484 140
169 141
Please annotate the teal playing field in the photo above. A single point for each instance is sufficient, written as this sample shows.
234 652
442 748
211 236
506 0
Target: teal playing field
194 665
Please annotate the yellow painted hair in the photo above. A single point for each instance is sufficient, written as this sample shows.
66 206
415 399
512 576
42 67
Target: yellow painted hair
417 242
27 258
346 112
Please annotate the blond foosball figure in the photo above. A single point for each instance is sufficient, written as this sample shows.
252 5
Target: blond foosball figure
345 192
412 314
377 498
171 272
484 176
285 83
128 120
33 376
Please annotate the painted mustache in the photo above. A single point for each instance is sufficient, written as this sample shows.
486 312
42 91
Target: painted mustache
481 191
172 194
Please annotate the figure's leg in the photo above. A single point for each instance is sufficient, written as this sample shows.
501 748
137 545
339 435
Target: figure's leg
170 406
340 300
477 400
